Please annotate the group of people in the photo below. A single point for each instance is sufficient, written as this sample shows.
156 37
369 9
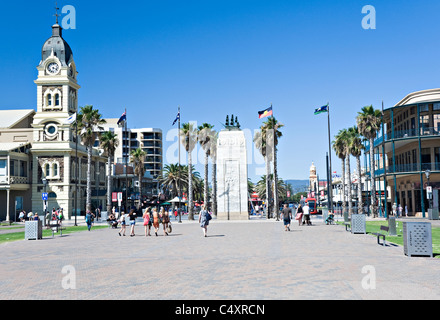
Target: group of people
302 216
152 218
23 216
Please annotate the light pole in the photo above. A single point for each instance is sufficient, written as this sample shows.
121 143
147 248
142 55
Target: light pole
429 194
44 180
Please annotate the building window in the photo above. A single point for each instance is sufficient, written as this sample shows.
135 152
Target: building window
57 99
48 100
47 170
436 107
55 169
3 168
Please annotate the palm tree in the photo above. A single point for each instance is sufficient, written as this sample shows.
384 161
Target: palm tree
369 121
188 139
271 128
260 144
204 134
356 151
172 178
137 157
260 187
340 150
89 127
213 154
109 142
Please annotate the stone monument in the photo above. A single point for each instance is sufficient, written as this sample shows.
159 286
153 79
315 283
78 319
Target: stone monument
232 181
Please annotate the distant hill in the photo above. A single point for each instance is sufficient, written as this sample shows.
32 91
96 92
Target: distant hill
298 185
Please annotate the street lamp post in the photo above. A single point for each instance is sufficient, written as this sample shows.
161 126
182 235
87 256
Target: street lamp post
429 194
44 180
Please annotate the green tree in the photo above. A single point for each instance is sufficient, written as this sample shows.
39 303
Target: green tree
89 123
188 137
204 136
137 158
369 121
109 142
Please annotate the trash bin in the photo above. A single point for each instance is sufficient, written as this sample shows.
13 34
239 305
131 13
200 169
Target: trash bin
392 231
417 239
324 214
33 230
433 214
358 223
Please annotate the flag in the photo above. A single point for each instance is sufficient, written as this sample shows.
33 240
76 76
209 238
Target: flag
70 119
265 113
321 109
123 117
177 118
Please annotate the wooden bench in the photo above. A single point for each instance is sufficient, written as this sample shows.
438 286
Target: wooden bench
381 235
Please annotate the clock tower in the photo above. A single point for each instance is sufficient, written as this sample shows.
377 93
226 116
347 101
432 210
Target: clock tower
53 146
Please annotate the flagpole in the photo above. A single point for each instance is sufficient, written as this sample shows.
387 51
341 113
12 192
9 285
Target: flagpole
330 195
275 176
180 189
77 167
126 162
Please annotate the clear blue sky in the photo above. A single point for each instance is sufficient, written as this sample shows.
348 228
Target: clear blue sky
218 57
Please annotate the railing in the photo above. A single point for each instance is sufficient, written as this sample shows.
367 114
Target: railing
410 168
403 134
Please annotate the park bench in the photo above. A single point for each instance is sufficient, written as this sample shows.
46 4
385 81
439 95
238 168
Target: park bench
56 226
381 235
347 226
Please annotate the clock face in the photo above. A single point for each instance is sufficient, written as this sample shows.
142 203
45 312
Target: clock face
53 68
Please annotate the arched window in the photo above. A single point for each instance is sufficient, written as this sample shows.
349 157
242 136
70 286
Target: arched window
57 99
47 170
49 100
55 169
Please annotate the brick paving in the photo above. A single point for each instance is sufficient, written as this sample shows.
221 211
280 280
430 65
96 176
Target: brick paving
238 260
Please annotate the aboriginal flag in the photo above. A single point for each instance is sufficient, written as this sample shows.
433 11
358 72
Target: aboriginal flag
265 113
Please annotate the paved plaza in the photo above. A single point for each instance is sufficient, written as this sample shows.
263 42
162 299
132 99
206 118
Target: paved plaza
238 260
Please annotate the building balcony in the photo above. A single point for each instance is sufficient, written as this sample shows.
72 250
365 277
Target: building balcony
412 168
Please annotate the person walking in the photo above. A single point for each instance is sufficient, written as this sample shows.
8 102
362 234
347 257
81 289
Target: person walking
155 220
165 220
123 224
204 218
307 215
299 214
89 217
147 221
287 217
132 215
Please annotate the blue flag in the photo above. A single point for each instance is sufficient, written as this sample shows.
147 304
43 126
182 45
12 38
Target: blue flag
122 118
177 118
321 109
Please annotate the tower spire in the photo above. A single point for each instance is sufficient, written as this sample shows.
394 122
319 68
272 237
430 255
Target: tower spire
56 15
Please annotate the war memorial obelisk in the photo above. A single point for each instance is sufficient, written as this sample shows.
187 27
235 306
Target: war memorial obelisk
232 181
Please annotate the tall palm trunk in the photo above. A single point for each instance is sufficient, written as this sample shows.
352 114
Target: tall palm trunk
214 189
205 187
344 204
349 195
140 191
190 189
89 181
373 178
359 183
109 185
275 181
268 204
